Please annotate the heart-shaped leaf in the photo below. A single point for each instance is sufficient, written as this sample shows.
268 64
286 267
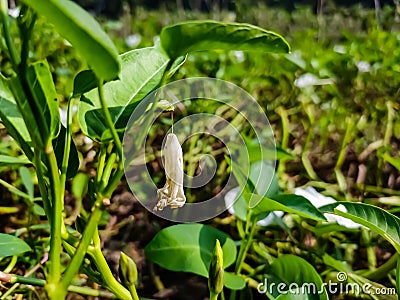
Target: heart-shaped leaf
291 273
189 248
141 72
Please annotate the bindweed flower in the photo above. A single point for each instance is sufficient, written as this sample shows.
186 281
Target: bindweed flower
172 193
216 271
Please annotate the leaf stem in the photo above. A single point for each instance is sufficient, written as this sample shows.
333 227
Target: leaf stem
108 118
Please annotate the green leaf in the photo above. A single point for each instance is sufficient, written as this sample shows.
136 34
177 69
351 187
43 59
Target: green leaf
373 217
189 247
290 269
285 202
11 245
38 210
45 109
73 160
12 119
142 71
338 265
24 108
263 175
83 32
262 178
85 81
8 161
26 178
182 38
233 281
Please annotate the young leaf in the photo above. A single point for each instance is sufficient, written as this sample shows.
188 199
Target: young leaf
285 202
182 38
294 271
84 81
12 119
26 111
11 245
73 160
189 248
8 161
373 217
83 32
44 94
233 281
142 71
26 178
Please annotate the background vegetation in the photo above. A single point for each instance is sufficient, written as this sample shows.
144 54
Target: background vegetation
333 103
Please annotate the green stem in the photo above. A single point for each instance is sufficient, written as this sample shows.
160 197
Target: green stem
342 154
371 256
42 185
14 190
213 296
11 265
305 159
101 163
112 284
26 24
56 220
383 270
67 146
386 141
133 292
398 276
244 247
109 121
307 145
116 177
41 282
87 237
14 56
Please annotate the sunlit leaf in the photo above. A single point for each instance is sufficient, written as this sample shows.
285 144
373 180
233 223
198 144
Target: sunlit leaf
373 217
83 32
286 202
142 71
186 37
